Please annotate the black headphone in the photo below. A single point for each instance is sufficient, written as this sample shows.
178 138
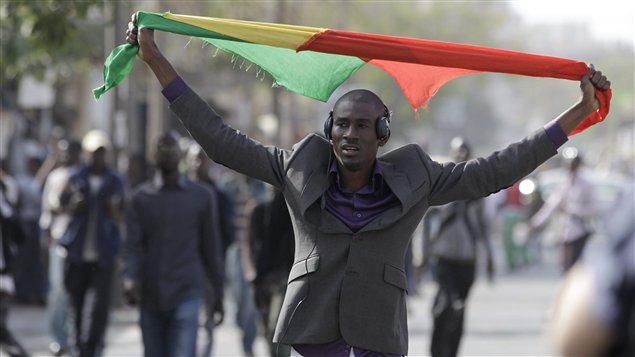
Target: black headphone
382 125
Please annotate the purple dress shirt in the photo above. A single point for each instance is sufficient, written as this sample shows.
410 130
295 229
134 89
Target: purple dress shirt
355 209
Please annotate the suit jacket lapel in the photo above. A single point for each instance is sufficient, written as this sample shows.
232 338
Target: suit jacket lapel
400 186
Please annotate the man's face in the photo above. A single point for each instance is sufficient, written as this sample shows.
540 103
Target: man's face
98 158
168 157
353 135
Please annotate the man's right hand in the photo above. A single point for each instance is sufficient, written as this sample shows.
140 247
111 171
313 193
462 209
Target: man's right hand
144 38
149 52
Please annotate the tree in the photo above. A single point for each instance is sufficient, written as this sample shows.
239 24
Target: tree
48 34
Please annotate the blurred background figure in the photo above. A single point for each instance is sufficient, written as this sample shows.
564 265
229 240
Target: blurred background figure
513 214
94 198
451 234
199 168
240 270
29 272
272 245
595 311
53 222
138 171
10 236
576 202
172 246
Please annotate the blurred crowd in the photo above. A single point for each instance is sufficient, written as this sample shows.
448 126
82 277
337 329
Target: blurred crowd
67 214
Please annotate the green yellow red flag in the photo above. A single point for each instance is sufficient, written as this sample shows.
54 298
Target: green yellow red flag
314 61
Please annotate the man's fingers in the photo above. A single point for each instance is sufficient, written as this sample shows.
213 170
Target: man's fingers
132 31
600 81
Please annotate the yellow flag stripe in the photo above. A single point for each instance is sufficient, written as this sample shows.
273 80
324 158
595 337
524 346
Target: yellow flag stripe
278 35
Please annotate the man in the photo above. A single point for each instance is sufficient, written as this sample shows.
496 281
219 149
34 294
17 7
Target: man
576 201
172 246
353 212
93 197
28 271
10 235
453 249
271 239
199 166
53 223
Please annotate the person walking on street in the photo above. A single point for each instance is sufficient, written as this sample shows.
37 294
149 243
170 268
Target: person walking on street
199 166
576 201
10 236
271 238
172 245
94 198
53 222
354 211
452 250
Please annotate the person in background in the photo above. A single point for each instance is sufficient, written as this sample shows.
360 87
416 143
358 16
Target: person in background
271 239
137 170
199 170
172 246
29 272
10 236
53 223
93 197
452 248
576 201
595 310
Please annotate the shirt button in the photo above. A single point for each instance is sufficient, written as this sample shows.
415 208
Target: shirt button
358 215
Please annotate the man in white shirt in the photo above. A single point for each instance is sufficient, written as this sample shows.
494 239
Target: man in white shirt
576 202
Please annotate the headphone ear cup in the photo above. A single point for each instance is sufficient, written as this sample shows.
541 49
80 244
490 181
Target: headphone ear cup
382 128
328 126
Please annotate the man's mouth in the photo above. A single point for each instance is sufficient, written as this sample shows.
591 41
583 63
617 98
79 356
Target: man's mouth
350 149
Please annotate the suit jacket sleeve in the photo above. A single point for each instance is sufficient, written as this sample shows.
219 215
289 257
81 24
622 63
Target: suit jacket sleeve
483 176
226 145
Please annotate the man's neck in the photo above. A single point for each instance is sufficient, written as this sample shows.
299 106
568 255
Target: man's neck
170 179
354 180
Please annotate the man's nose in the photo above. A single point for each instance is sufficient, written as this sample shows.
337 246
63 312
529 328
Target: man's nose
351 132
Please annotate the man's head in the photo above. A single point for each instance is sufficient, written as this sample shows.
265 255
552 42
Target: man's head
459 149
198 163
354 129
168 154
96 144
572 159
70 152
575 163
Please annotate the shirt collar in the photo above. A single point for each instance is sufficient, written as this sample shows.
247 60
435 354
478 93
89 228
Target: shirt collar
376 181
158 183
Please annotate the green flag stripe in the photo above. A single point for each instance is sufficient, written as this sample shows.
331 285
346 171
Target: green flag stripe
312 74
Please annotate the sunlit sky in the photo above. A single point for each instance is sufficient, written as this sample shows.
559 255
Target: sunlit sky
611 20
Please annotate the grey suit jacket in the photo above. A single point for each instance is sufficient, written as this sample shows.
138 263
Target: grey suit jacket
344 283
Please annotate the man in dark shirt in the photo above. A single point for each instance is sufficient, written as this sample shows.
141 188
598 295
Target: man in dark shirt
172 244
353 211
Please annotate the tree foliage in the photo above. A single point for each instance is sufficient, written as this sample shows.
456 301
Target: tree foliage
48 34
